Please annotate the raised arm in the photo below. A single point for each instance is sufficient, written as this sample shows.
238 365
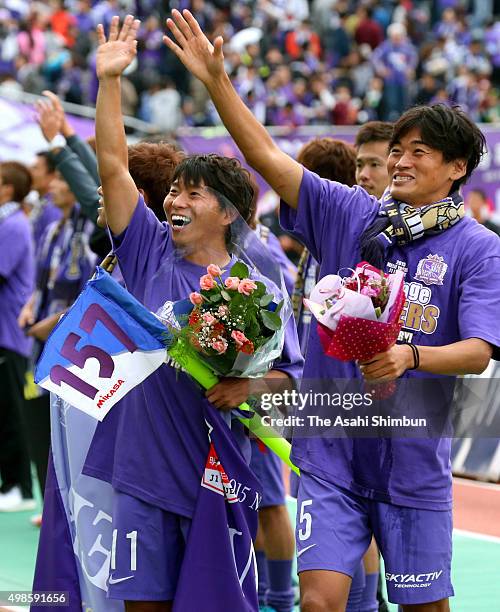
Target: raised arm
81 182
206 62
113 56
80 147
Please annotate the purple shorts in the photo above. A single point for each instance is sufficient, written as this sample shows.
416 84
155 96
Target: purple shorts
335 526
147 552
268 468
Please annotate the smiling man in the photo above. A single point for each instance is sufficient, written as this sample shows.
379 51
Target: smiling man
372 149
162 443
397 489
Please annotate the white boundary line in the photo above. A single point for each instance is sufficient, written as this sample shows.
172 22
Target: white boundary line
491 486
477 536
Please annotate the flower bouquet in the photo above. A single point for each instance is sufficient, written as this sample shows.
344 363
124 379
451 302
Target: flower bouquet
230 327
358 316
234 325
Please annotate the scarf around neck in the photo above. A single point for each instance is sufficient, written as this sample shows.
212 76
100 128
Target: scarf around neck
400 224
8 209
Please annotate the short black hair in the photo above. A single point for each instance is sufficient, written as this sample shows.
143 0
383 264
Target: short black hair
51 166
16 174
151 166
329 158
224 175
446 129
374 131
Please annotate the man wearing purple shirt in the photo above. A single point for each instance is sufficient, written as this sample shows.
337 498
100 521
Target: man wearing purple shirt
44 212
395 61
397 489
16 285
161 450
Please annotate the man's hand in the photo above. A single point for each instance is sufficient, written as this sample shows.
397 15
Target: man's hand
57 108
41 330
116 54
26 316
229 393
389 365
49 120
204 60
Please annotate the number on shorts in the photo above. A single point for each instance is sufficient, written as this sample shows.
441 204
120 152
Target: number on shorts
305 533
132 536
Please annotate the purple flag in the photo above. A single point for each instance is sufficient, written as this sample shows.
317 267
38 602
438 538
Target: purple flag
56 564
219 550
77 527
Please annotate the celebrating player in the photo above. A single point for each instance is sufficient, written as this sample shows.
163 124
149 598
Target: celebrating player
156 478
397 489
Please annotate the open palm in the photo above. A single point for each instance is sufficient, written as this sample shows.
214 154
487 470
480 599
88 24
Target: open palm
117 53
204 60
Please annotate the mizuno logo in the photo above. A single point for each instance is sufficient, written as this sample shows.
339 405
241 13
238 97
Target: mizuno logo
117 580
300 552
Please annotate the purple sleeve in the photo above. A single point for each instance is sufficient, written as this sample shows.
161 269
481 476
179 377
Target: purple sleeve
378 57
15 244
479 290
140 248
49 214
329 215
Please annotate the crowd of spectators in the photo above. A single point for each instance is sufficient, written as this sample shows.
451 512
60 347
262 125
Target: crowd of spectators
294 62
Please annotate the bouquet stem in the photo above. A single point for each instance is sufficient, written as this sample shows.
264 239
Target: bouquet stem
183 356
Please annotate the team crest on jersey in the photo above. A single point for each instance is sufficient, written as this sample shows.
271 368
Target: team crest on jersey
431 270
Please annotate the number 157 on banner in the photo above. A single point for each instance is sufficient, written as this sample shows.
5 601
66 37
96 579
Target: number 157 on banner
104 346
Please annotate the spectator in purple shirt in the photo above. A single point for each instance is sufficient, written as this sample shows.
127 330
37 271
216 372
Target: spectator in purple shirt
395 61
43 212
16 284
83 15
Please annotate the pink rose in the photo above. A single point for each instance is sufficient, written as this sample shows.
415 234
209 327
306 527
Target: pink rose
208 318
220 346
207 282
247 286
214 270
369 291
232 282
239 337
195 298
222 310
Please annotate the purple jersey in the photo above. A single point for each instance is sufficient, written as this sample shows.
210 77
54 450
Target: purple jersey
17 272
452 283
45 214
64 263
161 442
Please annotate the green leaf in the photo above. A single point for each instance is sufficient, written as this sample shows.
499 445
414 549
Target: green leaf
215 298
266 299
237 301
240 270
225 295
279 306
260 291
271 320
